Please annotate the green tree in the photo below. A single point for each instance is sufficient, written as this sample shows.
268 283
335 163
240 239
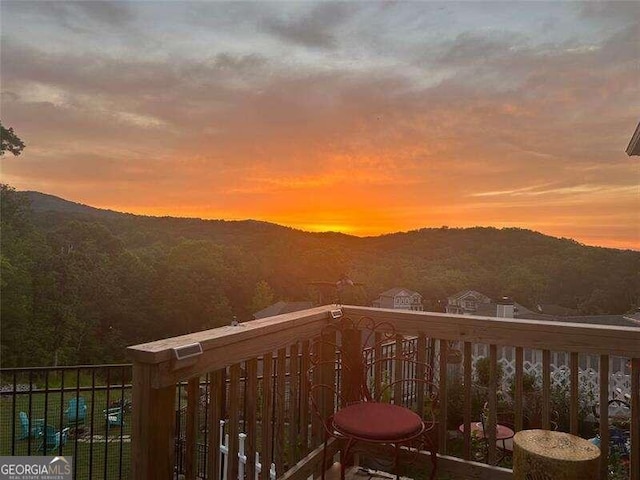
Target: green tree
9 141
262 298
16 282
189 288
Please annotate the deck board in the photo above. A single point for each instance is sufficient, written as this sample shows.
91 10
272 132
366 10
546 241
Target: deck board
359 473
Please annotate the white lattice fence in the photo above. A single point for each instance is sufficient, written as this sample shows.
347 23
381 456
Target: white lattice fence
588 372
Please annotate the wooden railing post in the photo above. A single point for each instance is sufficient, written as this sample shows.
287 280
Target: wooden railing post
604 416
443 395
575 392
152 442
193 402
215 415
352 373
519 390
467 400
492 403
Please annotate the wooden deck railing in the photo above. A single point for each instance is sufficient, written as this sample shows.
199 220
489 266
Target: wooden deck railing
254 379
248 367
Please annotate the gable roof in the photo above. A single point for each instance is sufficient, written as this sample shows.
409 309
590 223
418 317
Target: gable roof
557 310
523 313
392 292
633 317
464 293
554 314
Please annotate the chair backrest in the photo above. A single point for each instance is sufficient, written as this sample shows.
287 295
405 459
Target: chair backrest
77 403
362 361
114 415
51 434
77 408
24 421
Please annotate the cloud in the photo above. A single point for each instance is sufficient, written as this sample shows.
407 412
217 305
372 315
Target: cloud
314 29
573 190
78 17
282 103
107 12
473 48
612 11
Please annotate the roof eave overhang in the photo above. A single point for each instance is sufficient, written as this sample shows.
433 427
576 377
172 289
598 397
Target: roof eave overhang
634 144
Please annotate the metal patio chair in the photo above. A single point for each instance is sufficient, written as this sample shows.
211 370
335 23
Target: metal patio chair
369 388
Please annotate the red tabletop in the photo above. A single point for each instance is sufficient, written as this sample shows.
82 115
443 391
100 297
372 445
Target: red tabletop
502 432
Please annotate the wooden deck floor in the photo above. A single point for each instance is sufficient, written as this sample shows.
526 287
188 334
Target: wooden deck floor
359 473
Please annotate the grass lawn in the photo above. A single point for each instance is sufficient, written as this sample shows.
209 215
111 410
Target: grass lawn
98 452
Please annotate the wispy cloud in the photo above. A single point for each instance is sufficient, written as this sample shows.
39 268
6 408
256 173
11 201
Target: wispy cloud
536 191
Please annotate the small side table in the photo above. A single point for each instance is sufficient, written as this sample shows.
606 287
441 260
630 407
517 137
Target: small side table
546 455
503 434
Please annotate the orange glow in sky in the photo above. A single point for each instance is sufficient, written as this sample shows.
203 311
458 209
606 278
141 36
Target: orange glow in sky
363 118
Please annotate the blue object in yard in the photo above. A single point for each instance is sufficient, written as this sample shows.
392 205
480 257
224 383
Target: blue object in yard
114 417
30 428
52 439
76 411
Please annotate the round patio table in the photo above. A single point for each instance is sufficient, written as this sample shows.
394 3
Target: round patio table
503 437
502 432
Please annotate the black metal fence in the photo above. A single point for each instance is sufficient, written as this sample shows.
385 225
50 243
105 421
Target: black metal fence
79 411
84 412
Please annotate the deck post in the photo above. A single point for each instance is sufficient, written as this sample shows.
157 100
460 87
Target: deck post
152 442
352 368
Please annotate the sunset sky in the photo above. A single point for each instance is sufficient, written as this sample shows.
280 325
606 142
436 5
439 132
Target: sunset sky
365 118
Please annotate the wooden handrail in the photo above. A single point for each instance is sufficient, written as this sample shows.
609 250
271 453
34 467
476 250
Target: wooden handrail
156 372
537 334
225 346
161 350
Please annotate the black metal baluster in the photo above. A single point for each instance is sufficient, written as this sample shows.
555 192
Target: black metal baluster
274 374
121 420
179 430
30 409
106 425
61 412
75 447
207 399
93 406
13 410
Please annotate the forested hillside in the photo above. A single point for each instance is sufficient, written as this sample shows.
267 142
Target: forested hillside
79 284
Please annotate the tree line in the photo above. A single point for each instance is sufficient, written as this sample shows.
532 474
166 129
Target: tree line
79 286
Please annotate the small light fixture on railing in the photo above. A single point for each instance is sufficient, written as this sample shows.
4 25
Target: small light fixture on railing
335 314
187 351
185 355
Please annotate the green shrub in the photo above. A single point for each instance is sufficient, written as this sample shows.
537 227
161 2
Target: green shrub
483 371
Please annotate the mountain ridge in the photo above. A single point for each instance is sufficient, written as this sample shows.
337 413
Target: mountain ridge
44 202
129 279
